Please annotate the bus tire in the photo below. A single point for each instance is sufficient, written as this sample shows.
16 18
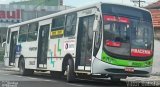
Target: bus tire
22 70
70 71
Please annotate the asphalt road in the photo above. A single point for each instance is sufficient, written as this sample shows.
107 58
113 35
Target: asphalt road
13 79
39 80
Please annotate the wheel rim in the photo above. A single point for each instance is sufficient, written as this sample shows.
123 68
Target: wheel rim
21 68
67 71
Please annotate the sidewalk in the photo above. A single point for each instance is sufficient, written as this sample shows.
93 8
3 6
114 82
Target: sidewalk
151 78
2 67
17 70
10 69
152 81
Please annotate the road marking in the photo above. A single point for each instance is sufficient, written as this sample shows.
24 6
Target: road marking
5 74
40 79
50 81
20 76
32 78
75 85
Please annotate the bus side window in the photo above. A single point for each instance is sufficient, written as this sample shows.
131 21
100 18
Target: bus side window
57 29
71 21
23 32
8 35
32 32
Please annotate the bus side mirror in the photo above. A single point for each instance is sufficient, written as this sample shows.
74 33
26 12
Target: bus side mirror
4 44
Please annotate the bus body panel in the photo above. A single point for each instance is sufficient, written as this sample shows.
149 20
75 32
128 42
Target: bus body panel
29 52
55 54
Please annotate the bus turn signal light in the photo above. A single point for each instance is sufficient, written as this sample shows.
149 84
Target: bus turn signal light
113 44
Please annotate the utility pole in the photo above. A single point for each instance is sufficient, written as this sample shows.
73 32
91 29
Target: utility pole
138 1
36 7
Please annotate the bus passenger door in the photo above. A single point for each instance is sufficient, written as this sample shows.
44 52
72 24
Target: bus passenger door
84 43
12 52
43 46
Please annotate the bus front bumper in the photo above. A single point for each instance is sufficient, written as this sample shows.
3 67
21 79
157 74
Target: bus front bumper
100 67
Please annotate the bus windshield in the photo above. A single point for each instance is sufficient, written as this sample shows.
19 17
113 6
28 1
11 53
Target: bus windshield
126 36
141 35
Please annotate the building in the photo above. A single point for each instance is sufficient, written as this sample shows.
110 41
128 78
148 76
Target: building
16 12
39 2
155 11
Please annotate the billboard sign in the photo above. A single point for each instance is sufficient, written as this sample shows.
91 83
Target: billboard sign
7 16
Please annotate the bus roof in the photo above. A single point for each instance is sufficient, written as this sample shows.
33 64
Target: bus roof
69 11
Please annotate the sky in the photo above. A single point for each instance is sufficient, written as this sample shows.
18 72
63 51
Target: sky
78 3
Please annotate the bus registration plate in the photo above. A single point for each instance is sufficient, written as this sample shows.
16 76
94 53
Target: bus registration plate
128 69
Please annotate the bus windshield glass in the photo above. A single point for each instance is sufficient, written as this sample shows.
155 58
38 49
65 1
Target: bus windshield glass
127 35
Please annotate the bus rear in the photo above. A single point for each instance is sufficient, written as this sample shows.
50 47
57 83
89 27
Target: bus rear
127 42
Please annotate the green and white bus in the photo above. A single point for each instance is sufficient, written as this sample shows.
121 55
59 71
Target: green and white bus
102 40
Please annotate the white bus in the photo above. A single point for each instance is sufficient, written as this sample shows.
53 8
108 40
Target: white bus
104 39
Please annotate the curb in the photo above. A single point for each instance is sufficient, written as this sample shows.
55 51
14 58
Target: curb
10 69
